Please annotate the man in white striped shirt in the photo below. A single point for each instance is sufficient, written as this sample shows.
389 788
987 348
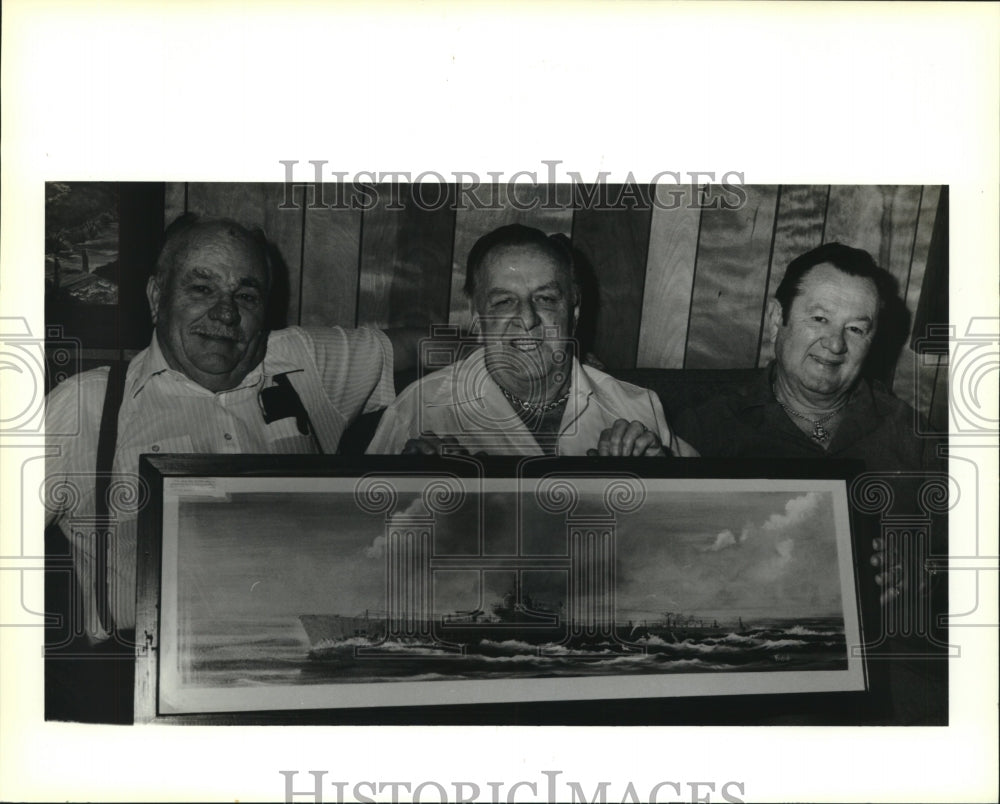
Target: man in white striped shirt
212 380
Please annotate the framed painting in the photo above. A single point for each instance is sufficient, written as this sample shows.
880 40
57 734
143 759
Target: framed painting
305 588
101 242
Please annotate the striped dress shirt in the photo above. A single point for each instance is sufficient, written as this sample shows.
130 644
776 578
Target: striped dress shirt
338 374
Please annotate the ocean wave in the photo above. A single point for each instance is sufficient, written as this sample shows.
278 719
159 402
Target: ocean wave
348 645
507 645
657 641
799 630
771 644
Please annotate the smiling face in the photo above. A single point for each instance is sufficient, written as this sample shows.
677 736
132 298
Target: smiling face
527 308
820 351
209 313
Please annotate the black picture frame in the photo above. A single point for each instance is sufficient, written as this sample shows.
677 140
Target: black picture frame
848 703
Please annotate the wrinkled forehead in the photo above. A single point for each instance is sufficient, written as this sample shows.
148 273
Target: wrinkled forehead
850 295
220 248
522 262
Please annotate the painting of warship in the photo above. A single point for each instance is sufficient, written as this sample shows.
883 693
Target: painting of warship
538 634
310 596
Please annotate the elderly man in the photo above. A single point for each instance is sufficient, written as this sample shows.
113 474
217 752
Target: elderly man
213 380
524 392
812 401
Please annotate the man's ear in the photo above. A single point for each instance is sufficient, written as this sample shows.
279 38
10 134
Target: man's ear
475 326
774 317
153 297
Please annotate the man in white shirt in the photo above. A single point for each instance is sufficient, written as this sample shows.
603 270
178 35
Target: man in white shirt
212 380
524 392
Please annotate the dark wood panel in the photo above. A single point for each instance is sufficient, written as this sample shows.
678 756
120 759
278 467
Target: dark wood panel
331 244
141 208
937 410
406 257
614 240
174 201
855 216
666 301
734 250
801 214
878 218
486 208
881 219
259 205
933 306
906 376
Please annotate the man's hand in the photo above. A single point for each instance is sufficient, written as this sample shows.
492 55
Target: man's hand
430 444
889 577
628 438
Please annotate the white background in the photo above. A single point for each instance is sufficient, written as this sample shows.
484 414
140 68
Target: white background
823 93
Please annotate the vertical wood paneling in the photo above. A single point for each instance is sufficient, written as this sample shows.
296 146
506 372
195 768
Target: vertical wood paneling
855 216
938 410
614 239
258 205
926 369
666 301
173 201
897 253
542 207
331 243
680 287
883 221
933 306
406 259
905 376
734 250
880 219
801 213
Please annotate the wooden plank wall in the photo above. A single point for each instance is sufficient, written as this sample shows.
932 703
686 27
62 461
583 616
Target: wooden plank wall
678 285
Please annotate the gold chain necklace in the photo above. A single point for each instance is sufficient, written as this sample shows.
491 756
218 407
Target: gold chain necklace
533 407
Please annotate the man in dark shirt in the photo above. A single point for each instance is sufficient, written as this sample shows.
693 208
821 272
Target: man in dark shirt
812 401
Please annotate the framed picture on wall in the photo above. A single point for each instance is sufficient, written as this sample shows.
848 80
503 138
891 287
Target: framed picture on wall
101 241
315 589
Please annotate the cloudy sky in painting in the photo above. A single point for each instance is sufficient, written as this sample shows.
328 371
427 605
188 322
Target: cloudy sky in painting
749 554
714 554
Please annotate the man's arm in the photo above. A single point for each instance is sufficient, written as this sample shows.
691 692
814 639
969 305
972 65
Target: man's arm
72 424
396 427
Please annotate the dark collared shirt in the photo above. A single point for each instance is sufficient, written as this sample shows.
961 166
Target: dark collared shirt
748 422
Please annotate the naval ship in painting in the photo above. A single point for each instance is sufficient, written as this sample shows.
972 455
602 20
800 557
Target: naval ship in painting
531 623
527 637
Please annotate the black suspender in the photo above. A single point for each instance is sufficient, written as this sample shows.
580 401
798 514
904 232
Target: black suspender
106 442
286 402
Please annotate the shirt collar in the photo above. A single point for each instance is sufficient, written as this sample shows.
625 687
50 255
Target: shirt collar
472 382
862 411
761 391
151 362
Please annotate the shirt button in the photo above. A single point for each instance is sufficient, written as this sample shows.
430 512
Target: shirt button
228 437
156 447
